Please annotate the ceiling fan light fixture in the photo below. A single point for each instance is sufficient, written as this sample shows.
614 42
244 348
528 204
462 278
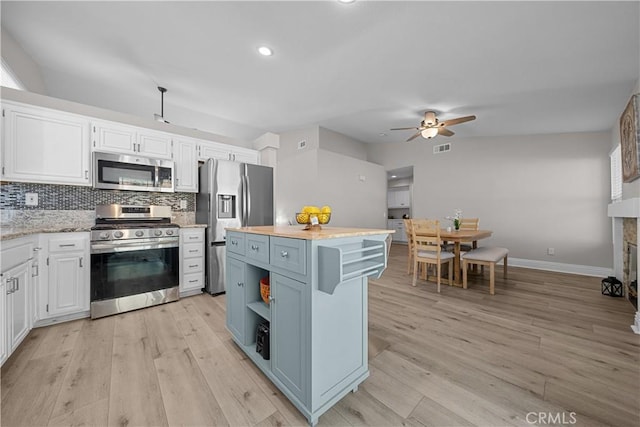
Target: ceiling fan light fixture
429 133
430 118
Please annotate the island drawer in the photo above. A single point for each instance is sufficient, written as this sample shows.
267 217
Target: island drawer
235 242
257 247
289 254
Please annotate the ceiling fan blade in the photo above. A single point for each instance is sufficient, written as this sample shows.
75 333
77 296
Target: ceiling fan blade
451 122
404 128
445 132
414 136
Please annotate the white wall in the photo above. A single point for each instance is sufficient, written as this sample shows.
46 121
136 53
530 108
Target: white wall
339 143
534 192
22 65
314 176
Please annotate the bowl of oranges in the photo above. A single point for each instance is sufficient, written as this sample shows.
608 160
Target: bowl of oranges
313 215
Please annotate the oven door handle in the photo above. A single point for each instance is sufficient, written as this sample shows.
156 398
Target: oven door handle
103 248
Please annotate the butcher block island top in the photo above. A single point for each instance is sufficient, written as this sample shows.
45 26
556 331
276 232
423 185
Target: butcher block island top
298 232
306 331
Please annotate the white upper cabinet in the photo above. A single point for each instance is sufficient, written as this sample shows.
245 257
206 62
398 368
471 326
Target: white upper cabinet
214 150
186 158
118 138
43 145
398 199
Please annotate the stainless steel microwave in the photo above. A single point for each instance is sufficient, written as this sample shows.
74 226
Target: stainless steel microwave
124 172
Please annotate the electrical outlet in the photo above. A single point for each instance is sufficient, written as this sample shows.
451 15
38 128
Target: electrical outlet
31 199
302 144
551 251
183 204
362 178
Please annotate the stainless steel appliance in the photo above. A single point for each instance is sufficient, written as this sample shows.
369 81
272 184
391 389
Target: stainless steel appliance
231 195
134 258
124 172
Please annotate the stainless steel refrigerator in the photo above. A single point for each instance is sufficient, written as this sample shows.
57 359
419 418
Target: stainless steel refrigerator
231 195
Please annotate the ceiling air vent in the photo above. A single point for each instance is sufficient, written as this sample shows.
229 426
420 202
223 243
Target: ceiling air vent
442 148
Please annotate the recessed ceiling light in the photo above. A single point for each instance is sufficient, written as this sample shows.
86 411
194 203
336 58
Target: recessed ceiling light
346 1
382 134
265 51
394 176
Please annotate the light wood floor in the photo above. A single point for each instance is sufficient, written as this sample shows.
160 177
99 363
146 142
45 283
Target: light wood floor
546 343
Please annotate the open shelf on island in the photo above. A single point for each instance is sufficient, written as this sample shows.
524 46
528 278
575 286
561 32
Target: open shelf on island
337 264
261 309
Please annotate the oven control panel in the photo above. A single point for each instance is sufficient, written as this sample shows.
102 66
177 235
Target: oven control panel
134 233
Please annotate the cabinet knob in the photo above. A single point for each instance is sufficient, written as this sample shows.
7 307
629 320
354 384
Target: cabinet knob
271 298
254 247
284 254
240 284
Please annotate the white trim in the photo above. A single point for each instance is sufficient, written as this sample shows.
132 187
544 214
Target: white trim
585 270
626 208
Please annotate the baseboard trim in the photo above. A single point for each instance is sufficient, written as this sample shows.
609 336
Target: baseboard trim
585 270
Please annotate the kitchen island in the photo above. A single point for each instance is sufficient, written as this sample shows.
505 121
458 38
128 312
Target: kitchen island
316 315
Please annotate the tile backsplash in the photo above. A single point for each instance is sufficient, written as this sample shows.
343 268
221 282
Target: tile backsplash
71 197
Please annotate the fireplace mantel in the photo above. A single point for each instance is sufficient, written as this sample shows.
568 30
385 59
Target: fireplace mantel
618 211
627 208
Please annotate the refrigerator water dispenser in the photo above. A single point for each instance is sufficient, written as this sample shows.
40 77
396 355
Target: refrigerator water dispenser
226 206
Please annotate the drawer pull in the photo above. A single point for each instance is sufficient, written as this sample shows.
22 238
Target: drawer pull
254 248
284 254
234 242
240 284
193 237
68 245
193 266
193 250
193 281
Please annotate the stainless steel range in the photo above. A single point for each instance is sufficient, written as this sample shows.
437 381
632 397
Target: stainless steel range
134 258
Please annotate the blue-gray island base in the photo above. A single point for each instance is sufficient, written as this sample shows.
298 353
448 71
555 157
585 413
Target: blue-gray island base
317 310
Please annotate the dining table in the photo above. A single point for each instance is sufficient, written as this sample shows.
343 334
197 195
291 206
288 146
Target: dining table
457 237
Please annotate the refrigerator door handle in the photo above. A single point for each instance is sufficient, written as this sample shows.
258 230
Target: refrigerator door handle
247 204
243 201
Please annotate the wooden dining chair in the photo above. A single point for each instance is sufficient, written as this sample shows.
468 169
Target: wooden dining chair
427 250
408 226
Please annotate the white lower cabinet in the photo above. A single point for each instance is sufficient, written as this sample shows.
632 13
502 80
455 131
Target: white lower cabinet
65 287
398 225
3 322
191 261
17 293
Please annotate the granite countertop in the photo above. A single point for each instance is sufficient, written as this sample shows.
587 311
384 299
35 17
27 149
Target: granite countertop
8 233
297 232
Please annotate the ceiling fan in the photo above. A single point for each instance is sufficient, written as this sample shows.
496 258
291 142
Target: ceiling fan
430 126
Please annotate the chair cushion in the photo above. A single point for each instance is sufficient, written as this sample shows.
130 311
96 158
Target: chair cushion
433 255
486 253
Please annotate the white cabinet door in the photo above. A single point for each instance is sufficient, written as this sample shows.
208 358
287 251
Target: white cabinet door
42 145
18 293
185 155
67 287
398 199
397 225
3 321
403 199
114 138
67 274
154 144
214 150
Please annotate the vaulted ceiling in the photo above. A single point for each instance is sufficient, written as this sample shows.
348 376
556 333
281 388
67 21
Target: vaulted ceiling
359 69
